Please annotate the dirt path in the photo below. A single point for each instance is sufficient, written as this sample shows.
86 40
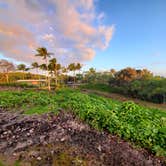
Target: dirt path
63 139
119 97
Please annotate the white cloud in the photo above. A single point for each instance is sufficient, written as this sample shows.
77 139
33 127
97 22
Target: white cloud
70 22
48 37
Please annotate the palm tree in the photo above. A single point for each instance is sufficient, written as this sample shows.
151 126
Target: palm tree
73 67
78 67
35 65
54 67
42 52
22 67
43 67
64 71
58 68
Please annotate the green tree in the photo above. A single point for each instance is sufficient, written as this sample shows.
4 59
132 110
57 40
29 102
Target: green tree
42 52
54 68
113 72
78 67
35 65
74 67
22 67
6 67
71 67
126 75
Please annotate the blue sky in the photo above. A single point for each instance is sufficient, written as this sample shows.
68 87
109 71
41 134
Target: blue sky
103 34
140 35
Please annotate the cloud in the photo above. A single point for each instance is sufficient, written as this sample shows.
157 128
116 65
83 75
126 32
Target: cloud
70 28
48 37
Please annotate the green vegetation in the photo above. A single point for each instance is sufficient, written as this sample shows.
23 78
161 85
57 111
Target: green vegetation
139 84
143 126
100 87
153 90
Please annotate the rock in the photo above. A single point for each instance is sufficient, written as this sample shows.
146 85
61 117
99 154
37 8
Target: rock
99 148
39 158
5 133
31 131
28 134
14 154
42 138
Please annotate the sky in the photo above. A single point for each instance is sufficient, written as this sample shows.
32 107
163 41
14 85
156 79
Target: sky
103 34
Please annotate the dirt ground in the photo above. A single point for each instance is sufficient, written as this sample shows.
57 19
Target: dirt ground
64 140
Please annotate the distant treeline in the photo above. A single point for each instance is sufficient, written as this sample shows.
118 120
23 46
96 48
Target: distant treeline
129 81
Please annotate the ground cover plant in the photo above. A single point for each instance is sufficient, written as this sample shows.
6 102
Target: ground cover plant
143 126
100 87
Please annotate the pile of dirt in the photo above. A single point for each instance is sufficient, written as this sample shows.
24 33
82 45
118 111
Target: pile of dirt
63 139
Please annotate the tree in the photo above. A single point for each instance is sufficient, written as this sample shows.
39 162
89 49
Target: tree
113 71
92 70
35 65
72 67
54 68
64 73
43 67
42 52
126 75
78 66
6 67
58 68
22 67
64 70
146 74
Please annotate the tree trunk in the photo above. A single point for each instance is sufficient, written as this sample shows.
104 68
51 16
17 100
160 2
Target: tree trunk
56 79
47 78
74 78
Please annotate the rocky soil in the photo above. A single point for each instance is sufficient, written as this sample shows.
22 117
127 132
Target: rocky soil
49 139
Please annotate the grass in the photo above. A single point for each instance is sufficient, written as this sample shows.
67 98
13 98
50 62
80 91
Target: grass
144 126
100 87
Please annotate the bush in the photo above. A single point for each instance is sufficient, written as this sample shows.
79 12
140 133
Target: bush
151 90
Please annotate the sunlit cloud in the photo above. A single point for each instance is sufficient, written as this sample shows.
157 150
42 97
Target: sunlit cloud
70 28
